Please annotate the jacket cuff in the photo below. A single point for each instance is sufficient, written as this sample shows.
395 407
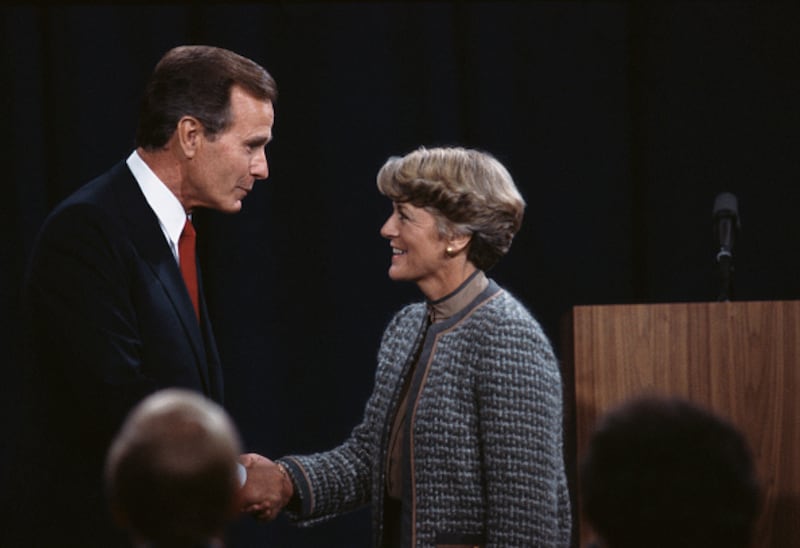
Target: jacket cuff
302 502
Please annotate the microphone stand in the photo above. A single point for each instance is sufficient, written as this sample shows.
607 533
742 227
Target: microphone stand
725 261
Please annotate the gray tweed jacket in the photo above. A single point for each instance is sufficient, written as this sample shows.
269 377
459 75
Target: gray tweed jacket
485 451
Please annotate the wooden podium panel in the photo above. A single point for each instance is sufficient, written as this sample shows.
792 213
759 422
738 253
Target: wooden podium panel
738 359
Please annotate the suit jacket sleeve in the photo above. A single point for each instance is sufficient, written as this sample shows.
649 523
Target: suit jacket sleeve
80 299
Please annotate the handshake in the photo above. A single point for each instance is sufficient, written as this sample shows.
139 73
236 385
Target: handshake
267 489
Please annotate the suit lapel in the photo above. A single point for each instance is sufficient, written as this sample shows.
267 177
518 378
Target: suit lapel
149 240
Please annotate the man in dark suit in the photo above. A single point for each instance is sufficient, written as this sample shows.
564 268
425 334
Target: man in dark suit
112 318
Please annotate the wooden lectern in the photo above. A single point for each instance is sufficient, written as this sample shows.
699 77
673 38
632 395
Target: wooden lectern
738 359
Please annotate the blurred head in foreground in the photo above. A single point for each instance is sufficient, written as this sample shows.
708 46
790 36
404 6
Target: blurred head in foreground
664 472
171 472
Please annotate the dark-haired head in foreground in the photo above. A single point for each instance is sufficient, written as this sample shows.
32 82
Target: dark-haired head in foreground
662 472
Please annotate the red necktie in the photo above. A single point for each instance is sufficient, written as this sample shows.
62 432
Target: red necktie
188 263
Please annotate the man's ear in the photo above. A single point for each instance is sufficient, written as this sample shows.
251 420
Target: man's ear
189 133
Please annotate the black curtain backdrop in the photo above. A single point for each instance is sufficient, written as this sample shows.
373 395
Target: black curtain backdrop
620 122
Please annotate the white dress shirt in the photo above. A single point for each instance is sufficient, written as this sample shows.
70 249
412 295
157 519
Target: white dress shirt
166 206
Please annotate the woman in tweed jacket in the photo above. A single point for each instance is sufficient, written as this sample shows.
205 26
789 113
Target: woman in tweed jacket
461 440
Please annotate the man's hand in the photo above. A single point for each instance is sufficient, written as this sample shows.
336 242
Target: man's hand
267 489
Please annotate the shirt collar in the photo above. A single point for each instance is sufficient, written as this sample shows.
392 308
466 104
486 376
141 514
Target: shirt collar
162 201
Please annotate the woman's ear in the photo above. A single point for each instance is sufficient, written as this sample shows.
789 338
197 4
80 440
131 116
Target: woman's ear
457 243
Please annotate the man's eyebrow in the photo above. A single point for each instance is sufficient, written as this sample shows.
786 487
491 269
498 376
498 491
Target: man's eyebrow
259 140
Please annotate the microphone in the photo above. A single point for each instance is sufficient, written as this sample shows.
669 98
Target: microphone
726 225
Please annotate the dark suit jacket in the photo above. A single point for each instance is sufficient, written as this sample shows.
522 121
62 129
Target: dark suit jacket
111 321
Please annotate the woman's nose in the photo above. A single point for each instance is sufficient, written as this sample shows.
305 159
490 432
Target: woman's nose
387 230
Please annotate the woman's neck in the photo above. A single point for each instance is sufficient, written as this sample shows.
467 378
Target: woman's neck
437 288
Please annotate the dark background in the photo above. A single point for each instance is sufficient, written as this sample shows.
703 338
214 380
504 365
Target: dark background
620 123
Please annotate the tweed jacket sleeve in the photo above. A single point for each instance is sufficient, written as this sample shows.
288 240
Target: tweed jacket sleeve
335 482
519 395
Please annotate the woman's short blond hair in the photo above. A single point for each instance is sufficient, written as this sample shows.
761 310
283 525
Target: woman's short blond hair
468 191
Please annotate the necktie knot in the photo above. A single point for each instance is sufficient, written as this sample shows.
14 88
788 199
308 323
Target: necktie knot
188 229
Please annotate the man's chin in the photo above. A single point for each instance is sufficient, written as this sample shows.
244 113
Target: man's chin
234 207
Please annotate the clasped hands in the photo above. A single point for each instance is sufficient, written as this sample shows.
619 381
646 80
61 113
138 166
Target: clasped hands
267 490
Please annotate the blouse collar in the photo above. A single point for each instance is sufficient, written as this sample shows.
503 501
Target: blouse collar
453 303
